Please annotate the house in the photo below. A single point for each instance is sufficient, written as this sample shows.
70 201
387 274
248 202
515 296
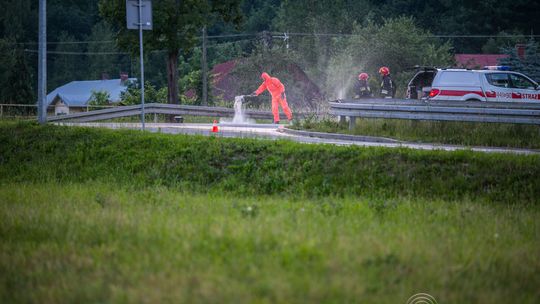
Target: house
478 61
76 95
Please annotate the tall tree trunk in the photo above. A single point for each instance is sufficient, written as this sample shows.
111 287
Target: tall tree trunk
172 77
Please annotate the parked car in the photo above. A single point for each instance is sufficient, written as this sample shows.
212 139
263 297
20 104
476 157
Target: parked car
491 84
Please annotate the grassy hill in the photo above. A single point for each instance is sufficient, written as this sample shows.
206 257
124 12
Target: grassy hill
90 215
32 153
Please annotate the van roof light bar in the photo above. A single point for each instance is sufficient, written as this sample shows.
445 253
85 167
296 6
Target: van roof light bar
497 68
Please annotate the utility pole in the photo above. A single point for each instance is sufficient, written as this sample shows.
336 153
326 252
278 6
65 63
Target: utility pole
266 38
204 70
42 64
285 38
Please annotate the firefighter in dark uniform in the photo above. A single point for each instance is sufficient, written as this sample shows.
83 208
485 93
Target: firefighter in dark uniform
388 88
361 87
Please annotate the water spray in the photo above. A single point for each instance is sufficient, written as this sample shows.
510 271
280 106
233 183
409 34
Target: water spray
239 116
238 110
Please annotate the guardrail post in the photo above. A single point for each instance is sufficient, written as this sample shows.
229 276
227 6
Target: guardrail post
1 110
352 122
342 119
155 118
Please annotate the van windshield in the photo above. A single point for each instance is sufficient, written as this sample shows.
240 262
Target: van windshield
521 82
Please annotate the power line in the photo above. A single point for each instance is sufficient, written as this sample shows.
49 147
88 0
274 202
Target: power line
434 36
486 36
113 41
78 53
226 43
228 36
66 42
89 53
288 33
123 53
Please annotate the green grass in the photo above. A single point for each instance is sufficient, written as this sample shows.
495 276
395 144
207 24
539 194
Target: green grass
94 242
459 133
93 216
33 153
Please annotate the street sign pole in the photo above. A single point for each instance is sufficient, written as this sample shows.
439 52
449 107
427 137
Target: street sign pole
42 63
142 62
139 17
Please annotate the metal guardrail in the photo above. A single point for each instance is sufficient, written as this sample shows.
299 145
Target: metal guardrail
29 111
492 112
159 108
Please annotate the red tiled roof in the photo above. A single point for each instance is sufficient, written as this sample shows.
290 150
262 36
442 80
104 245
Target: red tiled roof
473 61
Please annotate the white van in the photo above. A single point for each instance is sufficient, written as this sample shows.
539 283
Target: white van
492 84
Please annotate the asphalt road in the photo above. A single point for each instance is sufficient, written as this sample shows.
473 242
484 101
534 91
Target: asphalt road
270 131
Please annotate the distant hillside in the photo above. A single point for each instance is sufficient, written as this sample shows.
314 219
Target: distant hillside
242 76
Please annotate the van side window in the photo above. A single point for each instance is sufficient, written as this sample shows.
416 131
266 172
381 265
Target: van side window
498 79
520 82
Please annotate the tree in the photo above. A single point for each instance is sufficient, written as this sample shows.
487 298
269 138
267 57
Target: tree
398 44
313 20
177 25
259 15
99 98
528 64
15 76
76 17
99 64
16 85
67 63
7 62
18 20
463 17
132 95
495 45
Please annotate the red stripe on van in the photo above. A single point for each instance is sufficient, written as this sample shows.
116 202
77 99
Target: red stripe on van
516 96
491 94
460 93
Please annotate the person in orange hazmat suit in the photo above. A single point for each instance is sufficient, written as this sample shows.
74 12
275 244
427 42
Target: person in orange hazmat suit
277 90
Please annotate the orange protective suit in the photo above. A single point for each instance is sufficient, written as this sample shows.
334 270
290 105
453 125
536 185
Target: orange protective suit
277 90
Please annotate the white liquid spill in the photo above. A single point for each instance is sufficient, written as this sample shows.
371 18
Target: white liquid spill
239 117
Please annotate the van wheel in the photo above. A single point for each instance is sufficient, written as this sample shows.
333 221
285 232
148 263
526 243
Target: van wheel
473 99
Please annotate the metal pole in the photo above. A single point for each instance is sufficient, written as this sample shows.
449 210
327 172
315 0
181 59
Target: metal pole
286 38
204 71
142 63
42 63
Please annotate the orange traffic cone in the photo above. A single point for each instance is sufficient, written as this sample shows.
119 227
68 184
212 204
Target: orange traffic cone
215 128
